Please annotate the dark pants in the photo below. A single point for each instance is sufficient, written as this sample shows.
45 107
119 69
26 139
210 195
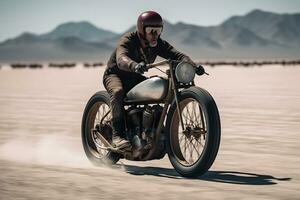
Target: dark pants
117 85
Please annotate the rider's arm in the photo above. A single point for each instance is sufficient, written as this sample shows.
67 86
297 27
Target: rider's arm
124 61
167 51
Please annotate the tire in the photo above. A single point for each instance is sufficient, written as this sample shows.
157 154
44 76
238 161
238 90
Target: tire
99 102
209 129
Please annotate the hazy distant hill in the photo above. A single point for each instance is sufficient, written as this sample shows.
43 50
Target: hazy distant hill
29 47
240 37
257 35
83 30
283 29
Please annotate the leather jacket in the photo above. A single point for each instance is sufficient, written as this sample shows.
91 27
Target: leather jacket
129 53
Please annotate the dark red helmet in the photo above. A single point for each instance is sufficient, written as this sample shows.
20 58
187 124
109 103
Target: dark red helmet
148 18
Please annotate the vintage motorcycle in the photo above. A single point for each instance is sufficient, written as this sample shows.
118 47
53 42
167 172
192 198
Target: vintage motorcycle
163 115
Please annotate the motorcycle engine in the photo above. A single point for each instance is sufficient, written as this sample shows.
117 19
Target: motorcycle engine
141 124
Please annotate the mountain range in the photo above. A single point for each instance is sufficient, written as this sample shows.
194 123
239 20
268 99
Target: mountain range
256 35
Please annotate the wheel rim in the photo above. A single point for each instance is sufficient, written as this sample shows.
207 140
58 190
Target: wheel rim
95 115
188 145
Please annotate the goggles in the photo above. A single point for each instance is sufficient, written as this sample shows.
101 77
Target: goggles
153 30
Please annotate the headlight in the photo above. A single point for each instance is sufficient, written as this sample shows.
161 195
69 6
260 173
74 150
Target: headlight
185 72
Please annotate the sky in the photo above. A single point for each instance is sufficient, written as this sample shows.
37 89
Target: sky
41 16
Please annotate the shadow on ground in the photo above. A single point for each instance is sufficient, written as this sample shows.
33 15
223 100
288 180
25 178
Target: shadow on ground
230 177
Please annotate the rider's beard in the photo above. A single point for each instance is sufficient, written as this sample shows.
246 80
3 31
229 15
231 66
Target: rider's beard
152 40
153 43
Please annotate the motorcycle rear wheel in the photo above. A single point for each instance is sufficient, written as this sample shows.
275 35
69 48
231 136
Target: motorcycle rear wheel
193 150
97 107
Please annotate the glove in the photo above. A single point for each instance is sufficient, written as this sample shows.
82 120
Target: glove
200 70
140 68
189 60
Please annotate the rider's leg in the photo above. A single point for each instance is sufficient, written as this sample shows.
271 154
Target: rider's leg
114 87
117 87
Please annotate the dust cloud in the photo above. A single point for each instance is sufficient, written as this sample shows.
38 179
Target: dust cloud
45 150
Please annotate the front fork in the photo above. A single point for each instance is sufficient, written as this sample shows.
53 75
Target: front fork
172 92
175 90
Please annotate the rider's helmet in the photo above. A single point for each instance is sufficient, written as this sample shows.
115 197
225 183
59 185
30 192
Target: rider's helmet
148 19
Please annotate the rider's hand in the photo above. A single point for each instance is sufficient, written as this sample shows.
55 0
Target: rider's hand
190 61
200 70
140 68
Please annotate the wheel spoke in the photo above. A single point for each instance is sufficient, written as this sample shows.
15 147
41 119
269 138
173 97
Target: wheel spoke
185 145
195 146
188 113
191 152
199 143
181 137
196 114
185 118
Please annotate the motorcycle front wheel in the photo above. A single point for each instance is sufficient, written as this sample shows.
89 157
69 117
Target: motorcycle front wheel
193 148
97 114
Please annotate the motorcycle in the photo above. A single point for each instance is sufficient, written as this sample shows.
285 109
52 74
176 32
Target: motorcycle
164 115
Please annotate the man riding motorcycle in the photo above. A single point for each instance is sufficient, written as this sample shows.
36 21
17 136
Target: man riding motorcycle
128 62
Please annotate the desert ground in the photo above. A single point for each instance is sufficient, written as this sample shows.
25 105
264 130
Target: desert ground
41 156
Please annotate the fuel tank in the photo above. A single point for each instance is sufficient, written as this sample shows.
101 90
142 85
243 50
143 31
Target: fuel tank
153 90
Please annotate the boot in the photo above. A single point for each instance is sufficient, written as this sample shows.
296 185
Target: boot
119 135
120 142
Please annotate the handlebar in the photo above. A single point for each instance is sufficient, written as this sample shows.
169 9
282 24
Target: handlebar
149 66
157 64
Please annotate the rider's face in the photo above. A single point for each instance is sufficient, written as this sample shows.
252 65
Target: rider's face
152 34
